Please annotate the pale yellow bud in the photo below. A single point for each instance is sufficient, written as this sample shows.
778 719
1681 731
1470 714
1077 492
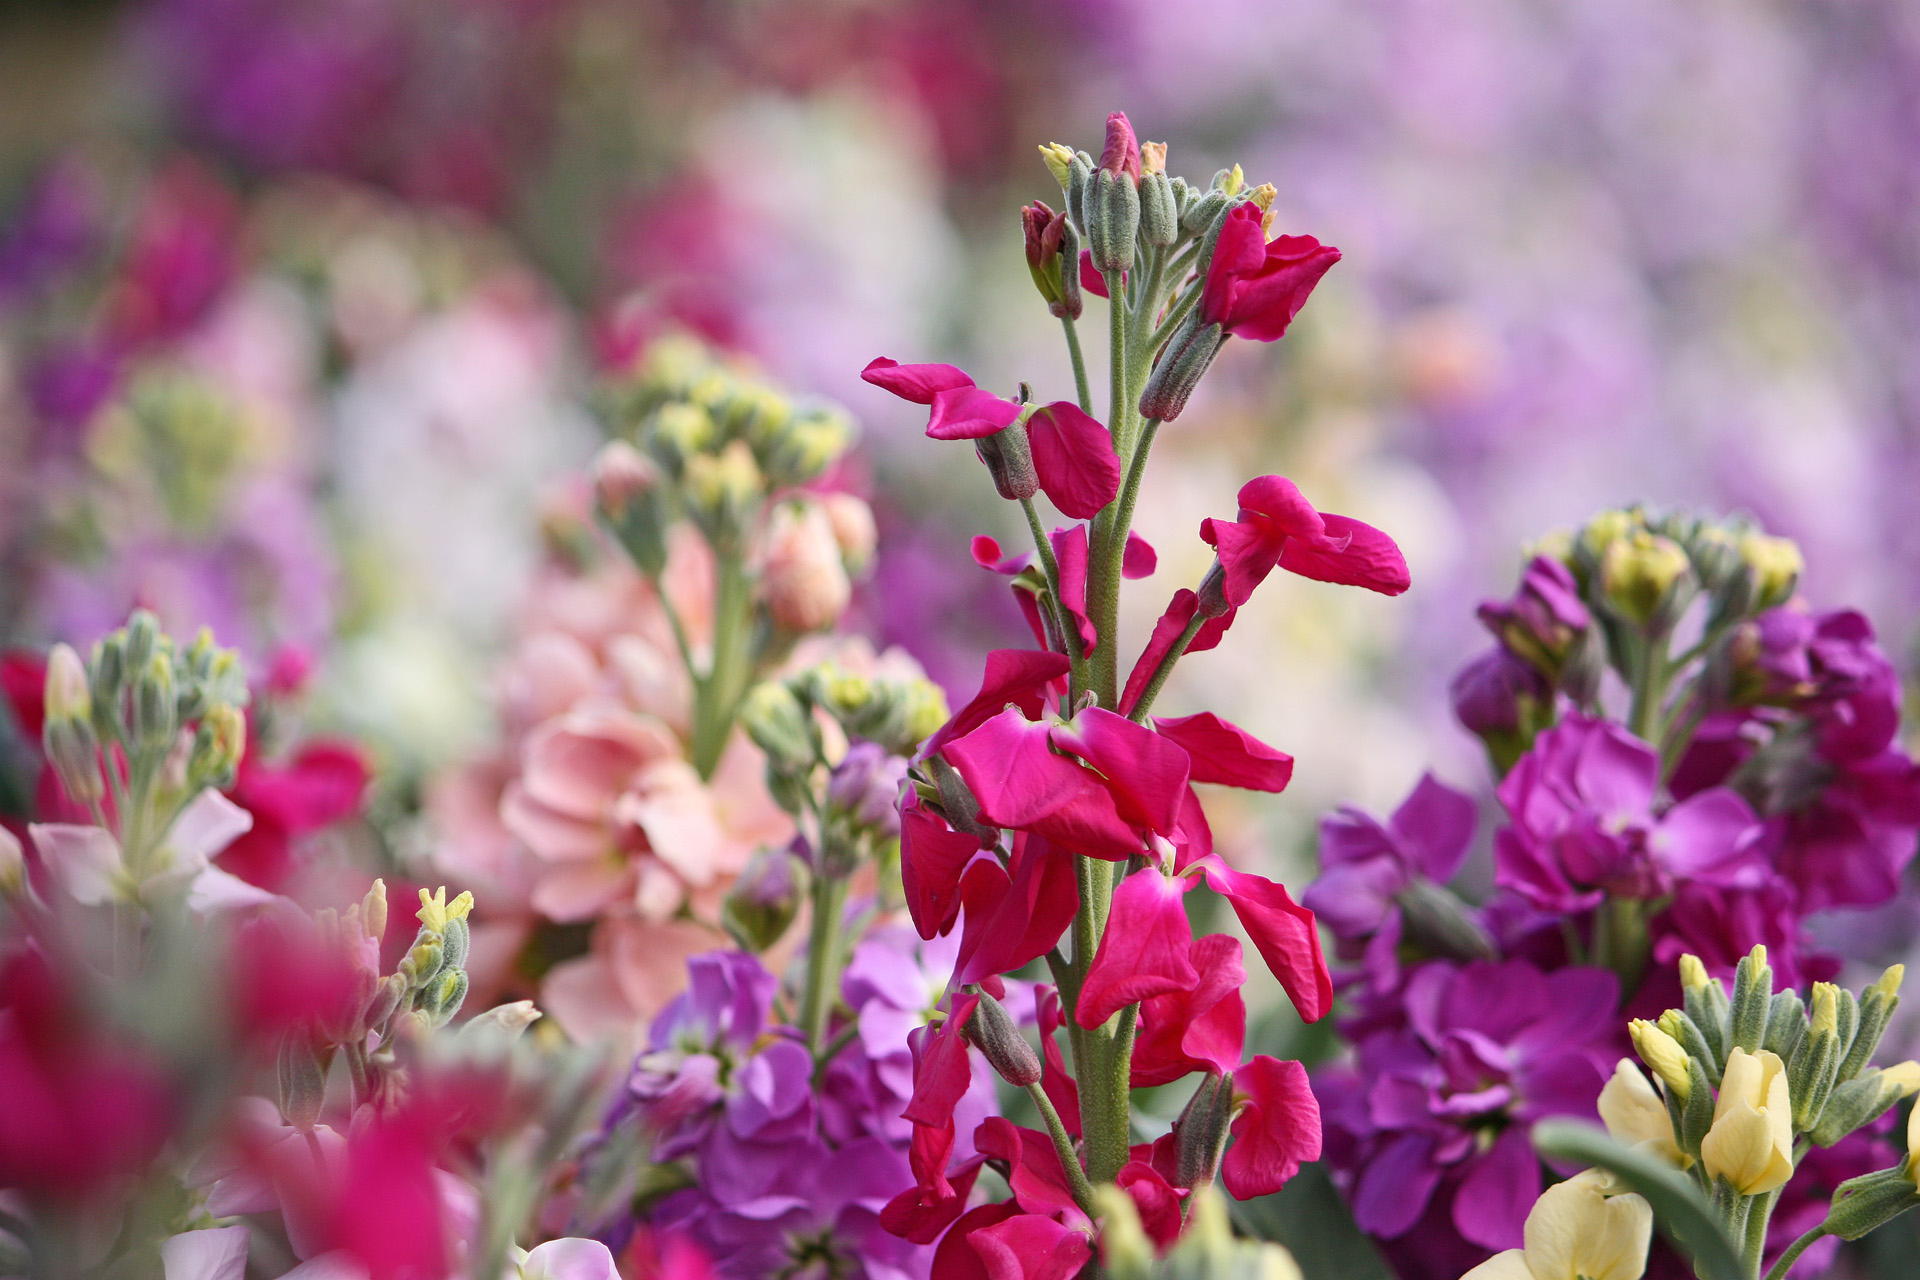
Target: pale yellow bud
1913 1146
1825 1015
1605 529
1057 158
1635 1115
373 910
1751 1141
1153 157
1576 1231
1776 564
435 911
1637 572
1231 181
1889 983
1663 1053
66 693
1263 196
1693 974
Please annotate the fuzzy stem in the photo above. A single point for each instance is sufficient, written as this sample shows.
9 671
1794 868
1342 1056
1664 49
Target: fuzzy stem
1079 364
1794 1250
718 696
1063 1147
1145 704
823 959
1759 1212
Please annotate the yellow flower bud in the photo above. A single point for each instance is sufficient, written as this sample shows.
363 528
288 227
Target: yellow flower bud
1605 529
435 911
1638 571
66 692
373 910
1751 1141
1825 1015
1776 564
1635 1115
1153 157
1057 157
1663 1053
1574 1231
1693 974
1889 983
1230 180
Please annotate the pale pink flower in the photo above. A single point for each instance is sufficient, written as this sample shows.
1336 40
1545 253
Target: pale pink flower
802 573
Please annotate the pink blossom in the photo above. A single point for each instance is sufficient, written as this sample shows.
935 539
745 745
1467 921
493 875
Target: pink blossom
1278 526
1254 288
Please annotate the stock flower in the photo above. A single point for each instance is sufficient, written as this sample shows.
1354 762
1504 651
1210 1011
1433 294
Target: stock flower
1437 1109
320 784
1277 1128
1254 288
1073 456
1751 1141
1574 1232
1584 827
1278 526
803 571
86 861
1635 1115
1545 617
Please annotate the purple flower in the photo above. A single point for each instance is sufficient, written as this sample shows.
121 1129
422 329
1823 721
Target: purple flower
1447 1097
866 786
1490 692
1368 870
1720 925
1584 826
1545 623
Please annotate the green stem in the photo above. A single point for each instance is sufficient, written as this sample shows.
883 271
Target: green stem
1063 1147
823 959
1069 632
1103 578
1649 684
1759 1212
1079 364
1145 703
718 696
1794 1250
1105 1111
1620 940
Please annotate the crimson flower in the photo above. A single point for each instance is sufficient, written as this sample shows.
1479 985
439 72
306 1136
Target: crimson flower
1073 456
1278 526
1254 288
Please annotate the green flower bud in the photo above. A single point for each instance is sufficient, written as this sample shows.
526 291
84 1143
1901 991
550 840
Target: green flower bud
1810 1074
218 745
1786 1023
1079 183
1113 218
1200 214
1862 1101
957 802
455 942
1696 1113
806 446
780 726
992 1031
1752 1001
1186 359
67 695
763 902
142 631
108 679
1125 1251
678 434
724 490
1231 181
155 716
1438 922
1200 1134
1865 1204
1159 214
302 1079
1009 460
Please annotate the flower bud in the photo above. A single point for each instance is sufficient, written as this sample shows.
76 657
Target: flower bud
386 998
926 710
803 579
155 718
1159 212
1059 161
1751 1142
992 1031
1121 155
724 490
1862 1101
1786 1024
1184 361
621 474
67 697
504 1022
74 752
1504 702
1663 1053
1438 922
1079 183
802 450
679 433
219 744
957 802
1683 1029
853 529
1009 460
1201 214
373 911
1200 1134
763 902
435 911
443 996
1874 1010
1693 974
1643 577
779 725
303 1082
1072 302
1752 1000
1113 219
109 676
866 787
1707 1006
1042 231
1865 1204
143 631
455 941
1697 1112
1776 566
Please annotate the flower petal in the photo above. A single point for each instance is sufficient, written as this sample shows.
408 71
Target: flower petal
1227 754
919 383
1074 459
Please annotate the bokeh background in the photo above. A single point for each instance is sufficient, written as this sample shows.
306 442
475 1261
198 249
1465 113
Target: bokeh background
301 304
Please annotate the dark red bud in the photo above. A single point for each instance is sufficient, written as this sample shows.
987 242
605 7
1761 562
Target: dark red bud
1122 152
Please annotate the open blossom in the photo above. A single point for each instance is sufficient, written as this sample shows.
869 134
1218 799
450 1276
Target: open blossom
1582 802
1751 1141
1278 526
1254 287
1575 1232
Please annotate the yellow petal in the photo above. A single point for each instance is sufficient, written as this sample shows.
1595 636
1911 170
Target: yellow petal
1618 1250
1741 1148
1740 1082
1511 1265
1635 1115
1563 1216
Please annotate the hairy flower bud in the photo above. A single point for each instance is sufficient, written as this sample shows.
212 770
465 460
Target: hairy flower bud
1776 565
803 578
1159 211
109 677
1042 231
67 696
1663 1054
853 529
763 902
1752 1000
155 716
303 1082
1121 155
1643 577
866 787
1862 1101
1200 1134
1009 459
1185 360
724 490
1079 184
992 1031
779 725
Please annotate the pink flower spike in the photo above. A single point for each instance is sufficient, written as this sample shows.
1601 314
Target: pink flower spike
942 1070
1143 951
1074 459
968 413
1227 754
1146 773
918 383
987 554
1283 932
1139 559
1278 1130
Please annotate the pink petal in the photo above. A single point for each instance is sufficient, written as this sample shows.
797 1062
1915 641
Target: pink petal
551 835
968 413
919 383
84 861
1168 630
1224 753
1091 280
581 890
932 856
1139 559
207 825
1017 676
1248 550
1279 1129
942 1071
1279 500
1155 1199
1012 770
1371 559
1070 553
1264 305
1146 773
1143 951
570 1259
1282 931
1030 1247
1240 249
1202 1027
1074 459
1013 919
218 1253
578 763
1037 1180
987 554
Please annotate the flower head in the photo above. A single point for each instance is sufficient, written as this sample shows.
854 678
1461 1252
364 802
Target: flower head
1751 1141
1254 288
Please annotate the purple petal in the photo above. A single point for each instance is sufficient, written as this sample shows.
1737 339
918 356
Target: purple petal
1491 1205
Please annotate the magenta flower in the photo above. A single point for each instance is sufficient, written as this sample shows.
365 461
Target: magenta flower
1073 456
1278 526
1584 826
1254 288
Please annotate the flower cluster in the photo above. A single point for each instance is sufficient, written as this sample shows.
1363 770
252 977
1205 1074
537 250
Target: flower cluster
1055 803
1737 774
621 797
